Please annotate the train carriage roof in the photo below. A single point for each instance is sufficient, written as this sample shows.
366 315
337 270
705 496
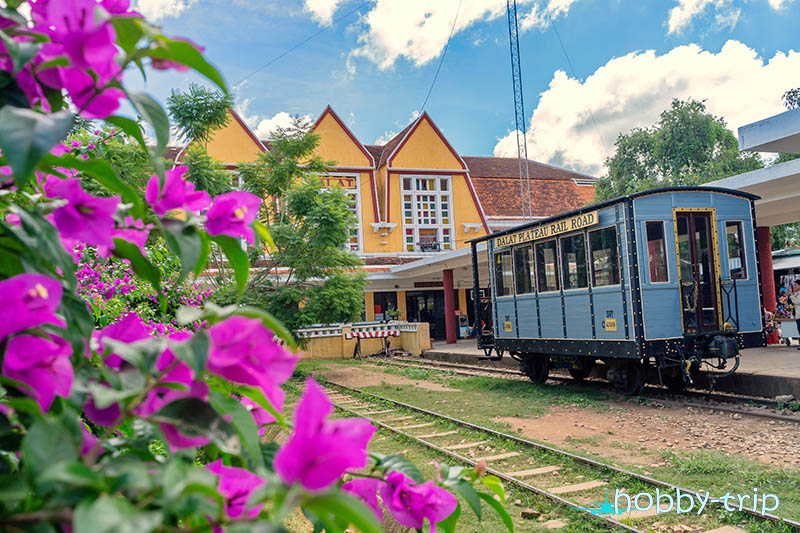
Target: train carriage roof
613 201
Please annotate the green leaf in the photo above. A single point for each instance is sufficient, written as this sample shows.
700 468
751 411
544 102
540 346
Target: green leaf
184 241
141 266
13 15
269 321
74 473
113 514
47 443
26 136
38 234
237 258
129 32
448 525
499 509
397 462
13 488
10 93
102 172
494 484
153 113
186 315
245 426
205 251
105 396
19 52
258 396
129 126
264 233
468 493
186 54
335 507
193 352
193 416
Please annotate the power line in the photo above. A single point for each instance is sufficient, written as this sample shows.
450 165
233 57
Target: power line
444 52
304 41
572 68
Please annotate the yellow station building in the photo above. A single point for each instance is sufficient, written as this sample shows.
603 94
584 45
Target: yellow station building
418 203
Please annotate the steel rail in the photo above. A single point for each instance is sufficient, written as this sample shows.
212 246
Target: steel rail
527 486
581 459
465 369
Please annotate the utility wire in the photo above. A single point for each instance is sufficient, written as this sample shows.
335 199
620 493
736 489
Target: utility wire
304 41
572 68
444 53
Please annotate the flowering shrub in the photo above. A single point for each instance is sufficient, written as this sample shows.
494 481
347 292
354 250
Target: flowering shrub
123 428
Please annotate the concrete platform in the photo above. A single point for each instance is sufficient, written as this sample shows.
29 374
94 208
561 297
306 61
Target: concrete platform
769 371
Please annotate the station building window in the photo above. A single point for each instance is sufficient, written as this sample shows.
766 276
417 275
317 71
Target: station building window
547 266
657 252
605 262
573 261
736 259
503 275
427 216
523 269
348 182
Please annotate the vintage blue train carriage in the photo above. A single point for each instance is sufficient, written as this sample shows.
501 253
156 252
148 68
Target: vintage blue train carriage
667 277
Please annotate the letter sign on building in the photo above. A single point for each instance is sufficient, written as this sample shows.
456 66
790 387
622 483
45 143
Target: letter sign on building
547 230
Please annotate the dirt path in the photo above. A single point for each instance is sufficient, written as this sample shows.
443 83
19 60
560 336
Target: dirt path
624 432
362 377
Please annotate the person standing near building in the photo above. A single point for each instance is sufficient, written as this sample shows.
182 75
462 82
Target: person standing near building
794 297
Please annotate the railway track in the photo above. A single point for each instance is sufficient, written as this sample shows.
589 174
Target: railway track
570 480
652 392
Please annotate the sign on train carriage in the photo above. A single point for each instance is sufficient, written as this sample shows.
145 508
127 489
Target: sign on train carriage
548 230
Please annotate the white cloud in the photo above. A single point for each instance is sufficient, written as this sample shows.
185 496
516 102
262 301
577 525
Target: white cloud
778 4
398 127
321 10
262 126
417 30
725 15
631 91
154 10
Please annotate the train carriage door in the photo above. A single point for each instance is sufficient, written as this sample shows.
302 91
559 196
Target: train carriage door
697 270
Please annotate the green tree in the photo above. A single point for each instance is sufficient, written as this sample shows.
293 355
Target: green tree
198 112
687 146
307 277
205 172
791 98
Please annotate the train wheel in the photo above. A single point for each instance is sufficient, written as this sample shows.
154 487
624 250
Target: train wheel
628 378
536 367
579 374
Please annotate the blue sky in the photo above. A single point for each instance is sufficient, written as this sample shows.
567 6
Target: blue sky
376 65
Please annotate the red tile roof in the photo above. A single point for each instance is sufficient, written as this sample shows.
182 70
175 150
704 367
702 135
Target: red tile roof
500 197
508 167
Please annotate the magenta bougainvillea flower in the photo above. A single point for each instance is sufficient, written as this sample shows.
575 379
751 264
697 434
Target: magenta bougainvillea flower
90 101
41 363
88 441
161 396
410 504
177 370
232 214
177 193
130 329
236 485
319 450
261 415
366 490
85 218
106 416
29 300
135 232
244 351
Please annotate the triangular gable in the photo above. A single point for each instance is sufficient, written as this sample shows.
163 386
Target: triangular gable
337 142
234 142
424 146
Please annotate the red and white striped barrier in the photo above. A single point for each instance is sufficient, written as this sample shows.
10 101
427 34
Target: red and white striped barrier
372 334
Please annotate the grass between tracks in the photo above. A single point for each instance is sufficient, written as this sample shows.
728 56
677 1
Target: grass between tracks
481 400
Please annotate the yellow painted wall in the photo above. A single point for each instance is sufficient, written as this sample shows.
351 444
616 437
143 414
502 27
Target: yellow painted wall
425 149
232 144
336 145
464 210
369 302
401 304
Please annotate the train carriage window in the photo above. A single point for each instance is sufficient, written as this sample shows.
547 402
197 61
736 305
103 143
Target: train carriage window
573 261
736 259
523 269
657 252
547 266
605 263
503 276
